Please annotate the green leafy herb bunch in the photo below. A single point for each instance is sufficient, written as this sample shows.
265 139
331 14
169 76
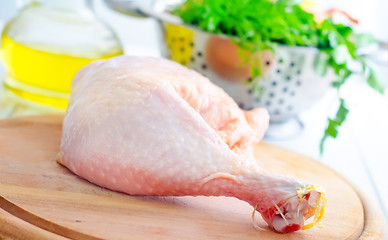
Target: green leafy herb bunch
257 25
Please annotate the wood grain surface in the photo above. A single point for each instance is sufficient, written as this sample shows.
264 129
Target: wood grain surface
40 199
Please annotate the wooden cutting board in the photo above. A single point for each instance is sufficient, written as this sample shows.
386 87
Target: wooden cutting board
40 199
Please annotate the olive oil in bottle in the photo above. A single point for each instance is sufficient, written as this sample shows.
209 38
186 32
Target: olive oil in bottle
46 44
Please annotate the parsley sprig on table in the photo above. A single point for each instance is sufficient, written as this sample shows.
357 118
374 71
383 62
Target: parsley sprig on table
262 24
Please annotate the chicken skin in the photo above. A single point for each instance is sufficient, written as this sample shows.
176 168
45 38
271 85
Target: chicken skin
149 126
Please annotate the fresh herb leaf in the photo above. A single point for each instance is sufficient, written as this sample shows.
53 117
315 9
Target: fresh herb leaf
374 81
364 39
372 77
333 124
321 63
342 77
341 54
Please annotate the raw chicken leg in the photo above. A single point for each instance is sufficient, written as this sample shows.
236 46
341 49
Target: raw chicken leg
148 126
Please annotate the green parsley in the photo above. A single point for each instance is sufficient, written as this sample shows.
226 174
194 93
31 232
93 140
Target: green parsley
334 124
256 25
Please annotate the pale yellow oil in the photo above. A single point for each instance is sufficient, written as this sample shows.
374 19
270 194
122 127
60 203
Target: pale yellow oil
39 76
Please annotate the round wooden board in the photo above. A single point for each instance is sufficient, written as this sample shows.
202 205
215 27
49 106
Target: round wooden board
40 199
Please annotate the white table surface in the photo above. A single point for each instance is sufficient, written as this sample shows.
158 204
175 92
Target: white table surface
360 152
